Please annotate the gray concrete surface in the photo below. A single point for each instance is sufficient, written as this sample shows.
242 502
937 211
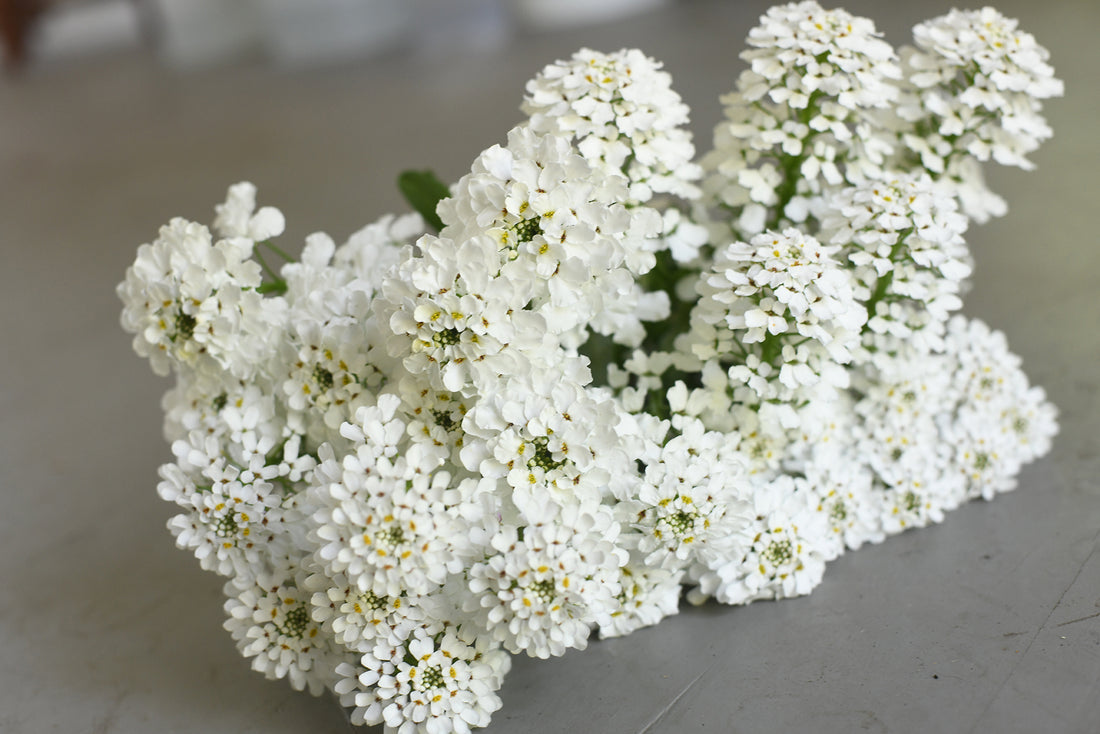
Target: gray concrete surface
989 622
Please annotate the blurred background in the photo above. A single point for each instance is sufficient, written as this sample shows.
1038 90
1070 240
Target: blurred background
195 33
116 115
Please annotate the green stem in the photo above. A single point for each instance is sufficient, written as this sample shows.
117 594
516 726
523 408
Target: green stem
278 251
771 348
276 284
882 286
792 165
656 401
741 351
278 287
664 276
263 264
602 351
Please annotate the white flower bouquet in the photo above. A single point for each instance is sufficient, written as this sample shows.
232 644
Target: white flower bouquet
594 373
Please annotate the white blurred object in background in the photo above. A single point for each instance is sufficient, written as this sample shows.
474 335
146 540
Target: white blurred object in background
329 31
79 29
553 14
290 32
195 33
201 33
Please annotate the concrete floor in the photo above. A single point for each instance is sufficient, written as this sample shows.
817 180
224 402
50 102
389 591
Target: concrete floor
989 622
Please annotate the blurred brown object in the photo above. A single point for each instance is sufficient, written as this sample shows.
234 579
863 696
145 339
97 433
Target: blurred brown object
16 19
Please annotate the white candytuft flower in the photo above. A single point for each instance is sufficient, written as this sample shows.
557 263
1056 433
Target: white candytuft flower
434 681
539 594
383 517
782 558
903 235
648 595
804 119
238 217
1000 421
782 306
192 301
848 513
624 117
270 621
358 619
975 90
690 507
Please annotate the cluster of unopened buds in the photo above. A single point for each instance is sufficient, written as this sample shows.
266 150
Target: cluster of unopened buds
597 373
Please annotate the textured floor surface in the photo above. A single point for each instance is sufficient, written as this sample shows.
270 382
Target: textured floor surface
989 622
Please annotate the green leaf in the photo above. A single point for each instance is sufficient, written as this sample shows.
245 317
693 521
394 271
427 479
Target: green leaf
423 191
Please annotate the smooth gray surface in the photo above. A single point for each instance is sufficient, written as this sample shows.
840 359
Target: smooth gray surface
989 622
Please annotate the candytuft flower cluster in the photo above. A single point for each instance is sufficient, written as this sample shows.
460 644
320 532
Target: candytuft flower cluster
595 374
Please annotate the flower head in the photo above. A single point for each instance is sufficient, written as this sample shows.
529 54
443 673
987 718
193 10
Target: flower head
976 83
623 115
270 621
